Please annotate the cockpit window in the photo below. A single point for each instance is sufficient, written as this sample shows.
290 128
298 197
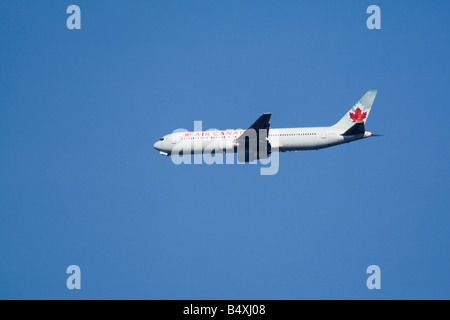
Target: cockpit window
161 139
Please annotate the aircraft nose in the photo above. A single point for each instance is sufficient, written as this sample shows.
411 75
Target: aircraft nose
157 145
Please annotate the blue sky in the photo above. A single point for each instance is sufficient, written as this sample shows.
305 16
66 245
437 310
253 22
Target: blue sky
81 183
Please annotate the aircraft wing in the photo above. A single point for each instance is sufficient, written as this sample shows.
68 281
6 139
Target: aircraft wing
260 130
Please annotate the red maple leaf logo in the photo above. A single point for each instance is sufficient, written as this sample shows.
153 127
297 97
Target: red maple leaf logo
358 116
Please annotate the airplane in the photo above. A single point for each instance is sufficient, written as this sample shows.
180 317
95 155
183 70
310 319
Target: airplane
259 140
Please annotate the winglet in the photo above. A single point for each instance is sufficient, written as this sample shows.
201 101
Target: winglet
259 130
262 122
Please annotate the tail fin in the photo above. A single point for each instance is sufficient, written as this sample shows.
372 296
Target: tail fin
359 112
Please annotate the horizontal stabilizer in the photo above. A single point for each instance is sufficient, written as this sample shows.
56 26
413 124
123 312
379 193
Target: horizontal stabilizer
357 128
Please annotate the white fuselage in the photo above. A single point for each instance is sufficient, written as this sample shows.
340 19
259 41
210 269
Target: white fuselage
282 139
259 140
